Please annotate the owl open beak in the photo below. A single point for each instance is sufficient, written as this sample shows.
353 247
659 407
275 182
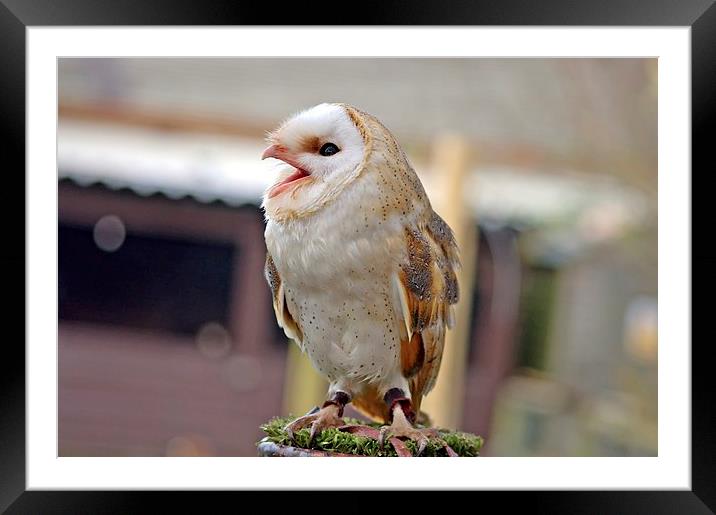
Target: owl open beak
281 153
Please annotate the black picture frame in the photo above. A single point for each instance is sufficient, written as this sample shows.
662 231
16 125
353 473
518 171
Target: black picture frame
17 15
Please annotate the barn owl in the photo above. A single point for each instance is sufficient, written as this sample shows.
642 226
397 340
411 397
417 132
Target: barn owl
361 269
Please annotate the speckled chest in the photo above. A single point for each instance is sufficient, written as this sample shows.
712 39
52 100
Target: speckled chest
336 269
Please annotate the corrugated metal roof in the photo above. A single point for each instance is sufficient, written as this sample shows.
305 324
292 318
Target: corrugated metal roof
206 167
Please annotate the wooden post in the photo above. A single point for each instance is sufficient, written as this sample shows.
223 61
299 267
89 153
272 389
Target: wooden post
451 162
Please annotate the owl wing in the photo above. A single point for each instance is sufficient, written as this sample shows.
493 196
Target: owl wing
283 316
425 288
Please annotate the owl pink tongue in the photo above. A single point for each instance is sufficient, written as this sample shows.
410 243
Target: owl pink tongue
282 186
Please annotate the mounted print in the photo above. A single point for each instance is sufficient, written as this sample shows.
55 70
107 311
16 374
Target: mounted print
371 247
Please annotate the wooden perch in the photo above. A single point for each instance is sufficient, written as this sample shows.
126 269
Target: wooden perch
333 442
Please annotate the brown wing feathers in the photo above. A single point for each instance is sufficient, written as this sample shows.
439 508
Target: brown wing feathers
283 315
417 276
429 289
412 355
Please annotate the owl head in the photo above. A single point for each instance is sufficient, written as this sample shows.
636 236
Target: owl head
321 150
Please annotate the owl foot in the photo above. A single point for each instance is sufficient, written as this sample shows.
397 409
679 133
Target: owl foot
402 428
324 418
375 434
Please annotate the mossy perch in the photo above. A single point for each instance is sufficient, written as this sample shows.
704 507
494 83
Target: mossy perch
333 441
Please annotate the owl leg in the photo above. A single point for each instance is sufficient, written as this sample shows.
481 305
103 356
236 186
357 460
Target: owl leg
329 415
402 425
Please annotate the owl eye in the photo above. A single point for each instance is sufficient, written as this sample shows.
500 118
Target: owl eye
329 149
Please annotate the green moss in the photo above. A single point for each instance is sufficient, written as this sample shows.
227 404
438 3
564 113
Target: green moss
333 440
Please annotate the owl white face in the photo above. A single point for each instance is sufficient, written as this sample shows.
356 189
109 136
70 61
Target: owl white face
320 148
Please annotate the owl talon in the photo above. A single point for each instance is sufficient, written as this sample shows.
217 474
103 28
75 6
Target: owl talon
422 445
289 433
314 429
320 420
383 435
450 452
401 428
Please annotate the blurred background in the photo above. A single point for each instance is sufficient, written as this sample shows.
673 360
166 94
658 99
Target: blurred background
545 168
